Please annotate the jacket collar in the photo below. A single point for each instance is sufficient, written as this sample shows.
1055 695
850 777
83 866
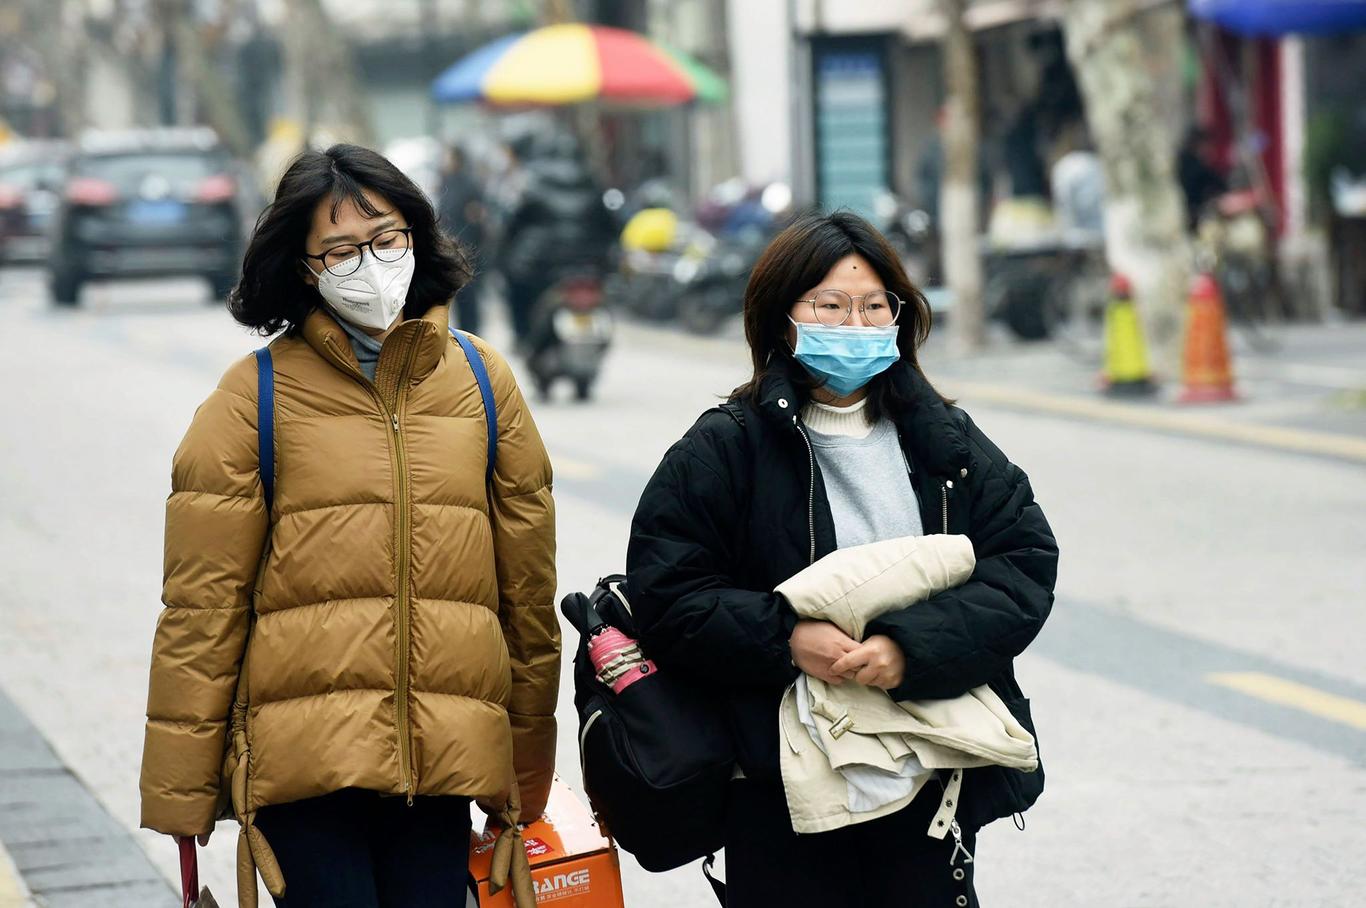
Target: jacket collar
423 338
927 428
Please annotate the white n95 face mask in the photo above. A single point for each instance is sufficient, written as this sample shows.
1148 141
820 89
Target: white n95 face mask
372 296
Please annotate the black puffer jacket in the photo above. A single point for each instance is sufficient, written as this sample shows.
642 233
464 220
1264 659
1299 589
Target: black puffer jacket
735 510
559 223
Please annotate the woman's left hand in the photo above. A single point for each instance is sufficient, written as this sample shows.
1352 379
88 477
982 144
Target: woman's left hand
878 662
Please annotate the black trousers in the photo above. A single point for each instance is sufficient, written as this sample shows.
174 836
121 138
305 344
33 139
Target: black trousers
467 303
521 300
358 849
887 863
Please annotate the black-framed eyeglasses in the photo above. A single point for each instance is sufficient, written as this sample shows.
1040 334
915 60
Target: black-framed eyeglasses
387 246
832 308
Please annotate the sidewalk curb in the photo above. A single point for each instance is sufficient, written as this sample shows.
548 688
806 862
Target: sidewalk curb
1296 441
67 849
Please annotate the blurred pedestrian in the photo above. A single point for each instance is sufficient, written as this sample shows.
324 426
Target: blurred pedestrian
1077 184
464 216
344 664
558 223
838 440
1023 161
1201 181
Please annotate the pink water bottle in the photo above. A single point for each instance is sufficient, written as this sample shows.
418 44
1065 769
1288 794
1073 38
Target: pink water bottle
617 658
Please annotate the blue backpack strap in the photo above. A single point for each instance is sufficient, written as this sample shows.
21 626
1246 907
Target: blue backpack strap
481 375
265 422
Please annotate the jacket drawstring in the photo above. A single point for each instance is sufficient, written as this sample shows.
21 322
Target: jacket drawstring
510 864
253 851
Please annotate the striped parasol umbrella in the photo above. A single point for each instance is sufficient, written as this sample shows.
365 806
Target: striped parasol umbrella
569 64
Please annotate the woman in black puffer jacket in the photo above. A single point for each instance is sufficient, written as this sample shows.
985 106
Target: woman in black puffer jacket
838 440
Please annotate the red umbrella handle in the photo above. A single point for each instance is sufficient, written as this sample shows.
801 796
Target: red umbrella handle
189 871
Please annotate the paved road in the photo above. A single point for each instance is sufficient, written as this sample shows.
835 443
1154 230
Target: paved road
1200 691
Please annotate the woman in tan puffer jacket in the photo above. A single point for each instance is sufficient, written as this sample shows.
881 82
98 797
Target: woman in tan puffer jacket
345 667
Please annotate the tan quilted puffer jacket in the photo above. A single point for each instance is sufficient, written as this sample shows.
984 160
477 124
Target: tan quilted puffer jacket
389 625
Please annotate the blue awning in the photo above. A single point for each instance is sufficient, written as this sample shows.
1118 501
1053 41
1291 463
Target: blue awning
1281 17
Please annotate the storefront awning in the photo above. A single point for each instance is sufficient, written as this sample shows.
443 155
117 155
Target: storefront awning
1281 17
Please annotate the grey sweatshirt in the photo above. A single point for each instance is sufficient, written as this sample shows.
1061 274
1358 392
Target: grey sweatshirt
867 477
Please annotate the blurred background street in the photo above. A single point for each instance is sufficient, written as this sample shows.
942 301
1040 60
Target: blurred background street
1057 176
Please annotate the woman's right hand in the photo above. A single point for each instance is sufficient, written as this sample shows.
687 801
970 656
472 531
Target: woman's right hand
816 645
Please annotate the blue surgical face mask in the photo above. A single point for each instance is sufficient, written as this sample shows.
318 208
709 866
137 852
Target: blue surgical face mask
844 358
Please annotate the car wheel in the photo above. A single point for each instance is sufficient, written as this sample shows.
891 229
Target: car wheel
66 288
1021 301
700 315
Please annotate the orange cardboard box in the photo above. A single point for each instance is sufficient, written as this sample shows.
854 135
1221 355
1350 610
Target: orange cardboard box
573 865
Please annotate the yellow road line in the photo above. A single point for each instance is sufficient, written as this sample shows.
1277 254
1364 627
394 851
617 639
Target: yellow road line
1186 423
569 468
12 892
1297 696
1201 424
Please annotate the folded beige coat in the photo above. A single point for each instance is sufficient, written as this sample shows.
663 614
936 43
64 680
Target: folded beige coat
861 725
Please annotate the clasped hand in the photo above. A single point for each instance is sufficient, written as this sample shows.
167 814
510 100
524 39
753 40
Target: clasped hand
822 650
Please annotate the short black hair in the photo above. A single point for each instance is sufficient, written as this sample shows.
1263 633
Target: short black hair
273 295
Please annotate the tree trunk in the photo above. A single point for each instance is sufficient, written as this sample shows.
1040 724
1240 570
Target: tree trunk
216 102
958 203
1121 54
722 160
59 45
324 92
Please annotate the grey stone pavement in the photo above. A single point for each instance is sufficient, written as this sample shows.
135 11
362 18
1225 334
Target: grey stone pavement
1200 690
69 851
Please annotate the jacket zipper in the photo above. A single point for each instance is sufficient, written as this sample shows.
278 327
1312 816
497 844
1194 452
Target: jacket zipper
811 490
944 497
404 565
398 464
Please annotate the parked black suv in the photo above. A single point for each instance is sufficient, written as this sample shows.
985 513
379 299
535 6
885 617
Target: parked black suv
148 203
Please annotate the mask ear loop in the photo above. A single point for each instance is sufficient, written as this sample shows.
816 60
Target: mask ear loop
790 349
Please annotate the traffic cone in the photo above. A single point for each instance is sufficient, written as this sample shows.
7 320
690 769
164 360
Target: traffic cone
1126 370
1208 376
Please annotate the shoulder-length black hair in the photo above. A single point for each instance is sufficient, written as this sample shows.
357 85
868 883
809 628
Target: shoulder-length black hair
797 260
273 293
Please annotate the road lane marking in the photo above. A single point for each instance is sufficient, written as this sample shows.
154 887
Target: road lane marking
1187 423
1297 696
11 890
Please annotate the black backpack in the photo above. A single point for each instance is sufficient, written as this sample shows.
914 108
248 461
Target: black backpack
656 758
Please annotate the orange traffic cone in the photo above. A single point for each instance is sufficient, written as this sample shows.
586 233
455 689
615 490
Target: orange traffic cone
1208 376
1126 370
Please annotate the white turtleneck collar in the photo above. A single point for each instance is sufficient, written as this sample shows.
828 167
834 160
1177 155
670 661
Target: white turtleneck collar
849 422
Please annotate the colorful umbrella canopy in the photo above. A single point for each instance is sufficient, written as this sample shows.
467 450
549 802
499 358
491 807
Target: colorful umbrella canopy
568 64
